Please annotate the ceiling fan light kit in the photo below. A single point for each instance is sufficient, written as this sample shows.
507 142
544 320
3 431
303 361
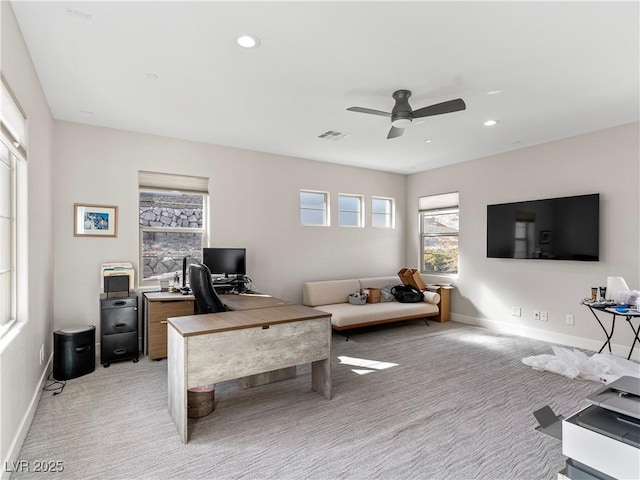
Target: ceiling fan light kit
402 115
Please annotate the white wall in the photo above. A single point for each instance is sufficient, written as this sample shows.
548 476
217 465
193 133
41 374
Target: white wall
21 373
254 204
605 162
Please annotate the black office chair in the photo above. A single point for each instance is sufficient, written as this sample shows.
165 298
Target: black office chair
207 300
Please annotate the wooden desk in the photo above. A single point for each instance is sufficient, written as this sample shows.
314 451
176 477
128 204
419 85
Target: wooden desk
246 301
158 306
211 348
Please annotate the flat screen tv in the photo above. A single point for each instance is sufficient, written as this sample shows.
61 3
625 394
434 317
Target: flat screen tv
564 228
227 261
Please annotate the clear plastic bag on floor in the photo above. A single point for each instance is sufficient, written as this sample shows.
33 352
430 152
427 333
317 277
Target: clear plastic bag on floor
603 368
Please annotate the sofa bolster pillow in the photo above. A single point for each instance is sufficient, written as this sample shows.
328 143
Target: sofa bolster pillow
328 292
431 297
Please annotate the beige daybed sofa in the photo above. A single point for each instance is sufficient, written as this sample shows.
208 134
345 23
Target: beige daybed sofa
332 296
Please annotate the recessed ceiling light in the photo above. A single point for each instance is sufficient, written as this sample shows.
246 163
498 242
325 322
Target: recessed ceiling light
152 76
494 92
248 41
490 123
428 140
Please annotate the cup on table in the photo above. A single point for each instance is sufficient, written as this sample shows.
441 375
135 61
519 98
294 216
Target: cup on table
603 293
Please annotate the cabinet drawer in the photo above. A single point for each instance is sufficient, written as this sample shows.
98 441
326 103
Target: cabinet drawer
119 346
119 320
108 303
159 311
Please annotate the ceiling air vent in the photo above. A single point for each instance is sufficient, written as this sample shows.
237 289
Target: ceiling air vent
335 136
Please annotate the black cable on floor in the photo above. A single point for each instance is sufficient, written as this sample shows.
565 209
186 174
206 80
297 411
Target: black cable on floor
53 385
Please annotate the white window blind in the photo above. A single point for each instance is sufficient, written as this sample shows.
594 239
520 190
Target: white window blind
438 202
13 121
171 181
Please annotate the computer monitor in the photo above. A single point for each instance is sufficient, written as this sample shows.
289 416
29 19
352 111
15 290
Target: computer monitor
227 261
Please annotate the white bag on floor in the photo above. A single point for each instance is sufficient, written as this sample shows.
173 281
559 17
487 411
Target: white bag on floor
603 368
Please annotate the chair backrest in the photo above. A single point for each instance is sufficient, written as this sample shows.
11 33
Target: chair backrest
207 300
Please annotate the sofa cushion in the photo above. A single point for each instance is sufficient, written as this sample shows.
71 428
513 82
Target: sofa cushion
328 292
345 314
379 282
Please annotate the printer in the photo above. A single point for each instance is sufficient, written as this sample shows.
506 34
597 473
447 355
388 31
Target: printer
602 440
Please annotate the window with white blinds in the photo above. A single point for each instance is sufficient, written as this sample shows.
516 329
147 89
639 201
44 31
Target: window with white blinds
439 228
13 135
173 222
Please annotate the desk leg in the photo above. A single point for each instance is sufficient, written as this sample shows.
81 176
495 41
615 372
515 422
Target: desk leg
177 385
635 336
321 377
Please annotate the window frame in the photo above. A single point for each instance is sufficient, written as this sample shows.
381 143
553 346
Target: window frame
204 230
14 135
423 235
392 215
360 211
10 271
326 210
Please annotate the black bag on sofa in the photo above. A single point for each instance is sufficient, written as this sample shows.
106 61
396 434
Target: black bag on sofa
407 294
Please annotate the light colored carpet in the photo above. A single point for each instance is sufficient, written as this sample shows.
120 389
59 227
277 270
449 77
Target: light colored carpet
456 403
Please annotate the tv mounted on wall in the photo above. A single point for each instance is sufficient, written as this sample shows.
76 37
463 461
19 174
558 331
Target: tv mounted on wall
564 228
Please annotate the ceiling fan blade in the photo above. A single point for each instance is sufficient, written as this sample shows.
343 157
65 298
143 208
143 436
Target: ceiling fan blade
440 108
395 132
369 110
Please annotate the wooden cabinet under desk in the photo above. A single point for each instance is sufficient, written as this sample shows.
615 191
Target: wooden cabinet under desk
158 306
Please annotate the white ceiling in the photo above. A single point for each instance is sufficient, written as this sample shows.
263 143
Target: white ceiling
563 69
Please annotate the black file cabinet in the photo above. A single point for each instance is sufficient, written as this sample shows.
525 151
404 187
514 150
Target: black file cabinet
118 329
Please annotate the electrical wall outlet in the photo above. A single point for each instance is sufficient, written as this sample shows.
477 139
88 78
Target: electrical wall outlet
516 312
569 319
536 314
544 316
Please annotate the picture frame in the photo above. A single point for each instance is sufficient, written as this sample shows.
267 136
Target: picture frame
545 236
95 220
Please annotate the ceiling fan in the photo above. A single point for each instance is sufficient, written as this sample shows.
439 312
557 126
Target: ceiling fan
402 115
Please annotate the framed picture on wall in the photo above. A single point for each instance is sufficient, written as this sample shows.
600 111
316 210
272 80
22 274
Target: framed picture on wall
95 220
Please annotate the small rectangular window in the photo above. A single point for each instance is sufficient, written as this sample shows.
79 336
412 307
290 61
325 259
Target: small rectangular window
314 208
350 211
382 212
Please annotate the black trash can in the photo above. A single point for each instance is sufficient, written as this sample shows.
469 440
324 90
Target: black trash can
74 352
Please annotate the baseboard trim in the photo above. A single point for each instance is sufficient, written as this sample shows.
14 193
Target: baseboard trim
18 441
552 337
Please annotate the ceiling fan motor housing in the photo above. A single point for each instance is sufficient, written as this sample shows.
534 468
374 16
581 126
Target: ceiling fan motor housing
401 116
